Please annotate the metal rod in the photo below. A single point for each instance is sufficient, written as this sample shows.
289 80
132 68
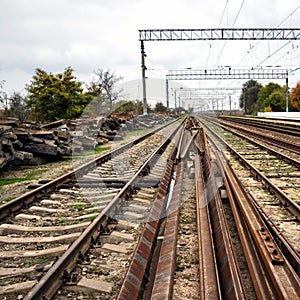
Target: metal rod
287 94
144 79
167 93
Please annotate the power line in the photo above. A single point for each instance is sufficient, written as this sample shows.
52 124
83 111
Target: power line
156 67
231 27
223 13
238 13
210 45
289 52
289 15
293 12
270 55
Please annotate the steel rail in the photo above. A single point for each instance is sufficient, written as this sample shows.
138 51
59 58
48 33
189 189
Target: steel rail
145 256
62 268
209 207
285 129
288 251
274 152
163 279
260 282
285 157
23 201
275 141
209 277
283 244
291 205
283 279
288 203
188 145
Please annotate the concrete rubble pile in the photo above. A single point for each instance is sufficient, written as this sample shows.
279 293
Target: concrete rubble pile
147 121
34 143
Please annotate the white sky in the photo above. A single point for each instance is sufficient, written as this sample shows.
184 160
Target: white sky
92 34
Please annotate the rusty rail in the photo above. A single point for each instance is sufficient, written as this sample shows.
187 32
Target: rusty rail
63 267
293 207
274 125
209 278
272 151
283 277
23 201
219 271
164 274
276 141
145 260
279 279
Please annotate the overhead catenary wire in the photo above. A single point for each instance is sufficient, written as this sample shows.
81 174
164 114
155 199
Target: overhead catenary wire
289 52
223 13
220 22
282 22
235 19
238 13
156 67
258 42
276 51
289 16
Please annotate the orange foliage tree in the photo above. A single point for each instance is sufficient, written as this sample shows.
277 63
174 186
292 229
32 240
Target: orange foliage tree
295 97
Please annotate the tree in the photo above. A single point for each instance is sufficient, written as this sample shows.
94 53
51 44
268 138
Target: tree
159 107
104 85
136 107
276 100
295 97
124 106
18 107
273 95
249 96
57 96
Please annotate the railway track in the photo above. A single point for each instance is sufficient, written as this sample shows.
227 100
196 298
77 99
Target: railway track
153 270
164 218
276 135
278 168
289 128
37 228
264 173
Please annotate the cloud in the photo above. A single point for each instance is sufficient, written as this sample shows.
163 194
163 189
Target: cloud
91 34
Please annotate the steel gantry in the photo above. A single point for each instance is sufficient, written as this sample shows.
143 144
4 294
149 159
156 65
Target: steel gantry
219 34
227 73
230 73
210 34
205 93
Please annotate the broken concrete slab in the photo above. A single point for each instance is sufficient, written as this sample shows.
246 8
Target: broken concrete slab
33 253
95 285
17 287
113 248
